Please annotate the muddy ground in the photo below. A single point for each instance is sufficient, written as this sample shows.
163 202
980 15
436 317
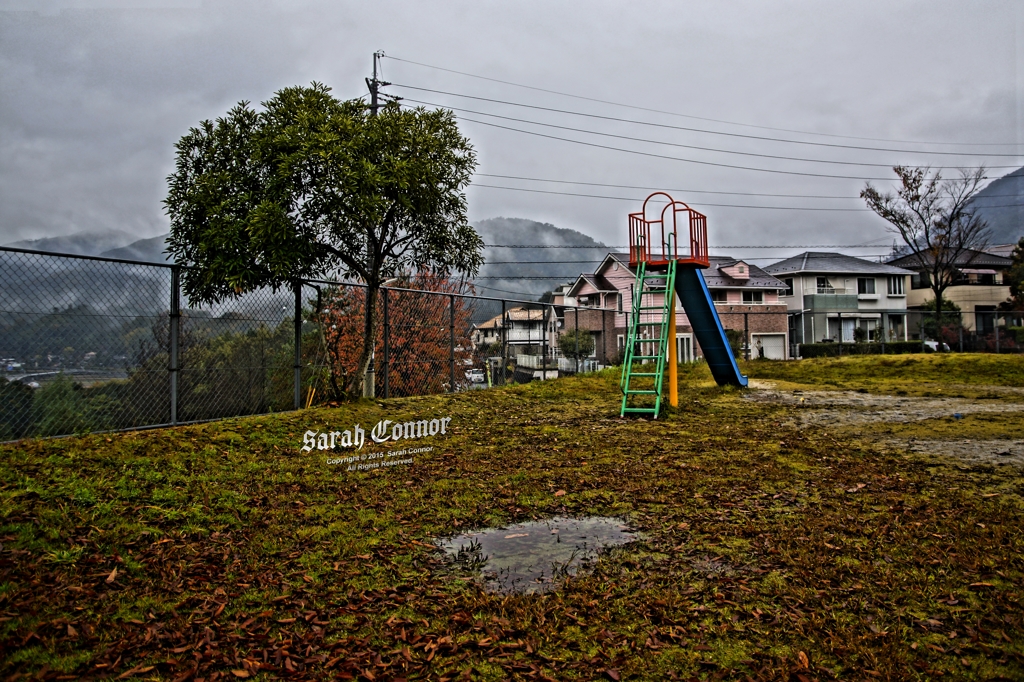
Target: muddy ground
986 430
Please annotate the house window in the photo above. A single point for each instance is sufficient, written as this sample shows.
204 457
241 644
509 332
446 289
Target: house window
896 286
618 301
824 287
865 285
753 297
719 296
789 286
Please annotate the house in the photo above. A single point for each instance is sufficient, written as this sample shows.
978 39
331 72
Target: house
978 286
525 330
746 298
831 295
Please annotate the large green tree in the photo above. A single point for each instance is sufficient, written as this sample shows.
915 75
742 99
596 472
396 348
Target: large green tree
311 186
936 221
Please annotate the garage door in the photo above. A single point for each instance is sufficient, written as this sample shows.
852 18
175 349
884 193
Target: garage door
769 346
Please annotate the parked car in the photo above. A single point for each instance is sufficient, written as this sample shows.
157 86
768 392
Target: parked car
934 345
476 376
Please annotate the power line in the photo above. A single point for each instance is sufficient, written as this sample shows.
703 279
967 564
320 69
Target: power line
680 145
722 246
637 200
700 118
695 192
692 191
673 158
692 130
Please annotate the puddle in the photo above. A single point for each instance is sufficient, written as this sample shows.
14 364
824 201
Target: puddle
534 557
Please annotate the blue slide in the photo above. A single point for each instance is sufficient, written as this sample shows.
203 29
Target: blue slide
696 299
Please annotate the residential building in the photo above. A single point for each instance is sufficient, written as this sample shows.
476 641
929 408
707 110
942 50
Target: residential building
523 329
978 287
831 295
746 298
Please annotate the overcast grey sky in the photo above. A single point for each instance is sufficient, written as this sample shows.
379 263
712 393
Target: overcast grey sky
94 94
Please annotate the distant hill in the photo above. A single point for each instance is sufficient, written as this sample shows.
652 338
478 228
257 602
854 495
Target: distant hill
79 243
499 277
1001 204
149 250
557 265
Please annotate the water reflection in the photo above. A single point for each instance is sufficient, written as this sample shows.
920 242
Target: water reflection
534 557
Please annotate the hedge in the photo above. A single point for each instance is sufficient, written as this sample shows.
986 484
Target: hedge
823 350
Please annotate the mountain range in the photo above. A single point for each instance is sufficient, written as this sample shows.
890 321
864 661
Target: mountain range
540 254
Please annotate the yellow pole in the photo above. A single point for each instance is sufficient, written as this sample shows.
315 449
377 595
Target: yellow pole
673 361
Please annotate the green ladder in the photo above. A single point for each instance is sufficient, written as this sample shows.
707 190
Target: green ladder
646 317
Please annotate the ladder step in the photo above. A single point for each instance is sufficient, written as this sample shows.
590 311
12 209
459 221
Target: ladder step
641 410
632 392
646 357
645 374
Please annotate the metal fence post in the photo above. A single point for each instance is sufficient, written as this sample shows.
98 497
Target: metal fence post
174 318
839 316
576 343
746 336
544 343
604 339
451 342
960 316
504 346
885 333
387 342
997 332
298 345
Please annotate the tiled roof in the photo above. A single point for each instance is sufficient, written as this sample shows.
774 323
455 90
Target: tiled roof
828 262
716 279
974 259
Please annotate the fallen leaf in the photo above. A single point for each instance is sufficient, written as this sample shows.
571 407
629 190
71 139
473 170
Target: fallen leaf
559 493
112 576
516 535
802 660
240 673
982 585
613 674
856 487
72 632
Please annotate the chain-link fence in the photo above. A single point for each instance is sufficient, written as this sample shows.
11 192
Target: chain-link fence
92 344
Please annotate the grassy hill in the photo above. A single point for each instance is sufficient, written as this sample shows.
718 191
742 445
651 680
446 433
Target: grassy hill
223 551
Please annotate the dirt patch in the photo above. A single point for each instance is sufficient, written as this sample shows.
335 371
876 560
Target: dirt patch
985 452
853 410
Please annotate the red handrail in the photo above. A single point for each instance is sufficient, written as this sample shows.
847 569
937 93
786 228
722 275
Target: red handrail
663 245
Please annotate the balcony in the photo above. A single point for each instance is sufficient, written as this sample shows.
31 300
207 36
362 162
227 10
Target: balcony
831 301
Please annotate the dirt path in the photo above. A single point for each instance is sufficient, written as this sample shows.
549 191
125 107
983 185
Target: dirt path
863 414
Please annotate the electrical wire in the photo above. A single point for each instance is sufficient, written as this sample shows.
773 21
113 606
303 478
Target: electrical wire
675 158
637 200
700 118
686 129
702 191
687 146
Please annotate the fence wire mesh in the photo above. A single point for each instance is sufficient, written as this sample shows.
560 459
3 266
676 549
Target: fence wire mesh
94 344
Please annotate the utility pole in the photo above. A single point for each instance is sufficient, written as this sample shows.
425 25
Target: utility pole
369 380
374 85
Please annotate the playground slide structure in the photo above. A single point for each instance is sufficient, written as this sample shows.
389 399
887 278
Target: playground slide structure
663 272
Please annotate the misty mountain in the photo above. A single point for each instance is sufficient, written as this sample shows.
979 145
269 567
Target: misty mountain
148 250
503 268
1001 204
79 243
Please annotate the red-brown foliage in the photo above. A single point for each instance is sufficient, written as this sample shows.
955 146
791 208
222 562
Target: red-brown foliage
418 329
